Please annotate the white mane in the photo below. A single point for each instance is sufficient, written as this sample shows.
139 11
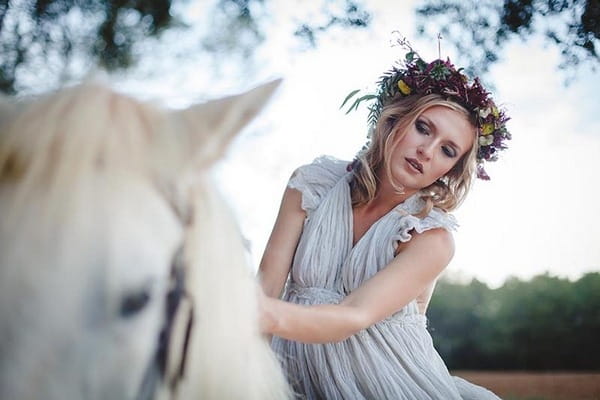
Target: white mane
97 193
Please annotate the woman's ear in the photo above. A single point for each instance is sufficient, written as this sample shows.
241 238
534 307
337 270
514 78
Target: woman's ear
208 128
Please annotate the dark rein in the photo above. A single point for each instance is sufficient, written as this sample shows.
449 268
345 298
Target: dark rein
177 297
156 372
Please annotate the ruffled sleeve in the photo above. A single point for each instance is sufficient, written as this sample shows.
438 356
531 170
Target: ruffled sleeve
316 179
409 222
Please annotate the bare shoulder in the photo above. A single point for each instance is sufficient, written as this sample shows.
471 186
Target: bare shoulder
439 237
437 243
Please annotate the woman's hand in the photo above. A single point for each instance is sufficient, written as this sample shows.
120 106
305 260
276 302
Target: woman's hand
400 282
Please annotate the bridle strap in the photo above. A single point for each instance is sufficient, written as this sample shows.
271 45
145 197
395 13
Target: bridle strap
186 342
176 300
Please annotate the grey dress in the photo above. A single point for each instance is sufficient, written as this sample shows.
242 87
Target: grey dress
392 359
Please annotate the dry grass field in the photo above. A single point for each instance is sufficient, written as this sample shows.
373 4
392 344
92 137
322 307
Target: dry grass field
537 385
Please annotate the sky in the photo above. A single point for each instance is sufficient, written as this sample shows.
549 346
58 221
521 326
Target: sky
538 214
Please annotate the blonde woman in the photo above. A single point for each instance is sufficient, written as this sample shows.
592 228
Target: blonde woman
357 246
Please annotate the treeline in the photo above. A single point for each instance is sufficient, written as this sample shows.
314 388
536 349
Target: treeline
546 323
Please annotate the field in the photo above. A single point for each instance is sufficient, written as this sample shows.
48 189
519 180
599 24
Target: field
537 385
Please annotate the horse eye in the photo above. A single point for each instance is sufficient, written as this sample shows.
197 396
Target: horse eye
134 302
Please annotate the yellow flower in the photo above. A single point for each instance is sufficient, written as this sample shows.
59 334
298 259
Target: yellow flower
495 111
404 88
486 129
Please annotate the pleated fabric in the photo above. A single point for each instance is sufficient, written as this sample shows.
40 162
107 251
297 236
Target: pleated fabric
393 359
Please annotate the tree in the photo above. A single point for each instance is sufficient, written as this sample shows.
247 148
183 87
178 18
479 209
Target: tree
457 322
37 36
480 28
60 39
540 324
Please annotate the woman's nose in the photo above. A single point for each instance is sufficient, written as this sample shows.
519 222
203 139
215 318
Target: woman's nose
424 152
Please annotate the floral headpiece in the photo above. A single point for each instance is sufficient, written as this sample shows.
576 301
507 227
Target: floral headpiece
415 76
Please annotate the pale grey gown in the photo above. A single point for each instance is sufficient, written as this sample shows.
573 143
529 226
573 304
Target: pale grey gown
393 359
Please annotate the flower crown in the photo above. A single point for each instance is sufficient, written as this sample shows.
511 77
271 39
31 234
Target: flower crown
415 76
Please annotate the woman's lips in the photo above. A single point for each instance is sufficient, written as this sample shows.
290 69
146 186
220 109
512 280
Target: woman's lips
415 164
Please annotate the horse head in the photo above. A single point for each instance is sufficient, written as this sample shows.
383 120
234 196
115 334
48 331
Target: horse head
122 271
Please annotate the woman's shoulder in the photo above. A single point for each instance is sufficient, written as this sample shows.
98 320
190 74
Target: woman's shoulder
316 178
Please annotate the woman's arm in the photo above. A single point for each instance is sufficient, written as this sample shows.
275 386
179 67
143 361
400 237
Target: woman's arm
408 275
281 246
424 298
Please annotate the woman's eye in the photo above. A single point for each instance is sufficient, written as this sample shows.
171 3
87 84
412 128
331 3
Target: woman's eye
449 151
422 127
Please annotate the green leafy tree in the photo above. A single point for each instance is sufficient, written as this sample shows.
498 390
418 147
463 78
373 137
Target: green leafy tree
585 320
479 29
45 39
457 314
546 323
535 316
46 35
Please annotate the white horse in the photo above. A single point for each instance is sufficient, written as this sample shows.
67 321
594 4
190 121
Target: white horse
122 272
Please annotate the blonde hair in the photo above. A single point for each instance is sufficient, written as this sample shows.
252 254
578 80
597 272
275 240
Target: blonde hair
448 192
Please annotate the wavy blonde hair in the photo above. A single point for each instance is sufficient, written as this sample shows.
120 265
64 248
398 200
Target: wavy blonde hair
448 192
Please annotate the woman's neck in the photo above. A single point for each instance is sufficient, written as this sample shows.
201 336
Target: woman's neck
387 196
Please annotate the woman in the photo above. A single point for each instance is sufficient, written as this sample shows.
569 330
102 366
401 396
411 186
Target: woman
366 241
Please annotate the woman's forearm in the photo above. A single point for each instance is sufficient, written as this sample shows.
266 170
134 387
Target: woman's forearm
321 323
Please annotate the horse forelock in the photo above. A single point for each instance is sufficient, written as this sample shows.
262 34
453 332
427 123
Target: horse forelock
65 137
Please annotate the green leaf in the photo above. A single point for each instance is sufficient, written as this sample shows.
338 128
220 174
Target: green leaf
357 102
350 95
352 107
368 97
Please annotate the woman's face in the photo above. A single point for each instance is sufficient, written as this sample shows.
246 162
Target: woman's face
430 148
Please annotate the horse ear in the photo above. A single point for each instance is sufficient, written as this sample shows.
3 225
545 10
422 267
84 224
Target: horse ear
211 126
7 108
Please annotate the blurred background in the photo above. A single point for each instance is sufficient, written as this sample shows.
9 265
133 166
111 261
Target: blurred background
522 293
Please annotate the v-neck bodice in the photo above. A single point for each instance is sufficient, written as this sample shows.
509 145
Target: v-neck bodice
399 208
392 359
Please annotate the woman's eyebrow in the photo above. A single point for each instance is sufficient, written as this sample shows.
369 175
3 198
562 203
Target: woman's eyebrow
457 147
433 127
429 123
